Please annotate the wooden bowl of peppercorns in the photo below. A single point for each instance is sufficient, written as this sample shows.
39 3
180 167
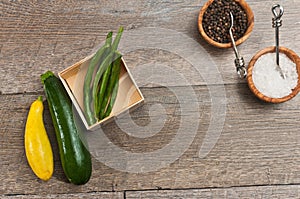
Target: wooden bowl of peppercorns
214 22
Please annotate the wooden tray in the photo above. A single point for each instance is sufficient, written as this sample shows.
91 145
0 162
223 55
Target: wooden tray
128 97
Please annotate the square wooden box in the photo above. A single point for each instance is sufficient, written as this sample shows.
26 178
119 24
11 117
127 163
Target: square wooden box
129 95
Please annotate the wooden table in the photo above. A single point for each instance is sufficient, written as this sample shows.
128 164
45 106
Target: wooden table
255 154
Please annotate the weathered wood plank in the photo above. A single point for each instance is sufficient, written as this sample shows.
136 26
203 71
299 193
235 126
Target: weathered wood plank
259 145
16 176
37 36
106 195
284 192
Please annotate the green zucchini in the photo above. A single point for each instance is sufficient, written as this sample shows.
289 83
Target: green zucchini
75 157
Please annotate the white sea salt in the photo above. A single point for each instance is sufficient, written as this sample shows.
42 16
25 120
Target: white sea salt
268 79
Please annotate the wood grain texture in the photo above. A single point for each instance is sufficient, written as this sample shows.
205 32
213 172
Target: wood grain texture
284 192
104 195
263 151
36 36
257 152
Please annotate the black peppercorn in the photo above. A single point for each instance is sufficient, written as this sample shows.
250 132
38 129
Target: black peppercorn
216 20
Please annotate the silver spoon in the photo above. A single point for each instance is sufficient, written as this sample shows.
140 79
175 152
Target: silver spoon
277 22
239 61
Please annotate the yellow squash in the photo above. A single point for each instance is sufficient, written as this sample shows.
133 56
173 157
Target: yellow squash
37 145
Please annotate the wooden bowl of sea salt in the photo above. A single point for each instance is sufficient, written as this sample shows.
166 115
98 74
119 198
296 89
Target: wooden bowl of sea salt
265 79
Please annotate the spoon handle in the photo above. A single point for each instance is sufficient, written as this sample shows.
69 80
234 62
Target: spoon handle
277 22
239 61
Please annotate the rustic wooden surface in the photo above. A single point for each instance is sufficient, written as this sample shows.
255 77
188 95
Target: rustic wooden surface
256 155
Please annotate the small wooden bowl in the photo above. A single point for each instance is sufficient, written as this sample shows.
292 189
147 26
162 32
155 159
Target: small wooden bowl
250 17
292 56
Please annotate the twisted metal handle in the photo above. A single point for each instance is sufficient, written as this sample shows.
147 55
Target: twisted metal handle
239 60
240 67
276 23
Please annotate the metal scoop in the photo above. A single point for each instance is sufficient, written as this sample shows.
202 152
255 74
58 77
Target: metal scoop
277 22
239 61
